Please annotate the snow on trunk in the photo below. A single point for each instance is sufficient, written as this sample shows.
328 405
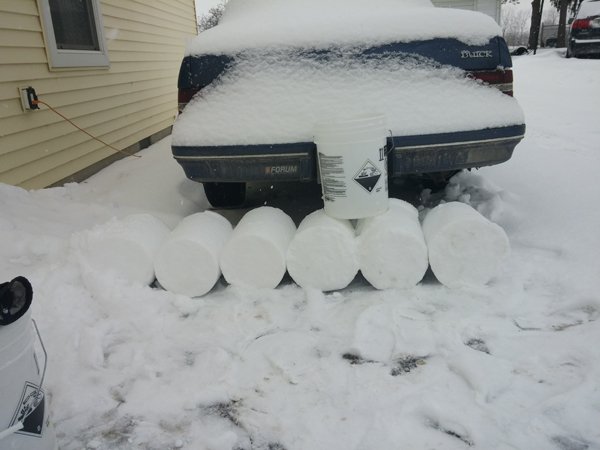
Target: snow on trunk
126 247
323 254
188 261
464 247
283 97
255 254
391 248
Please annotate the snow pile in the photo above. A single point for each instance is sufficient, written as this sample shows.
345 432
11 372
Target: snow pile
391 247
322 23
465 249
188 261
255 254
280 97
127 247
323 253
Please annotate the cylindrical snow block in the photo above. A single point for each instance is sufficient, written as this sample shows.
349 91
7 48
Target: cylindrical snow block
322 254
465 248
188 261
353 166
255 254
391 248
126 246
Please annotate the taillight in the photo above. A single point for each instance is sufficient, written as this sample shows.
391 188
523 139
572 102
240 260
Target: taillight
500 79
184 96
581 24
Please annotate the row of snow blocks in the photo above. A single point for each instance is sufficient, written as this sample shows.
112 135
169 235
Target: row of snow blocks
392 250
389 249
203 246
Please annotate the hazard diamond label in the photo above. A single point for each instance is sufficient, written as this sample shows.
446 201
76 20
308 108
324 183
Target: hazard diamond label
30 411
368 176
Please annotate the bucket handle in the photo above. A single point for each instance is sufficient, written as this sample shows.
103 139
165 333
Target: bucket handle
19 425
393 145
37 332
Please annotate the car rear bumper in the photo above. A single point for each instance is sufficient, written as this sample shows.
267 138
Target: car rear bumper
581 47
298 161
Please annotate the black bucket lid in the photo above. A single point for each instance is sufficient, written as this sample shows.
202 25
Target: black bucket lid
15 299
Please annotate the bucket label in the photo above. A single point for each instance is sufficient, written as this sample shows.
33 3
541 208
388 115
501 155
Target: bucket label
332 177
30 411
368 176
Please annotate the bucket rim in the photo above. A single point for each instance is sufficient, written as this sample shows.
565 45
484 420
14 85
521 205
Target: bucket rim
354 131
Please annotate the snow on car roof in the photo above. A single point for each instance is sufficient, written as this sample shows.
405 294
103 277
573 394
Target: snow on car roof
250 24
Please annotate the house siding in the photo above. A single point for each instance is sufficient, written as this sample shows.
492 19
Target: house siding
136 97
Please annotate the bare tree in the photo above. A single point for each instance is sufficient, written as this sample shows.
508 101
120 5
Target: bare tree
515 24
211 18
537 8
563 6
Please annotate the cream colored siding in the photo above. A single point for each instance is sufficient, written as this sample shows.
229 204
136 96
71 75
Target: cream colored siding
123 104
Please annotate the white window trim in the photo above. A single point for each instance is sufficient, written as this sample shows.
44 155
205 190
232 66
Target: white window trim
60 58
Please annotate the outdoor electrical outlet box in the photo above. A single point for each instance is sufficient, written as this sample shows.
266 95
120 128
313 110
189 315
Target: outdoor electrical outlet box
27 94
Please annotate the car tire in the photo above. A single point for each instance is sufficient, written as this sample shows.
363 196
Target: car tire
224 195
438 180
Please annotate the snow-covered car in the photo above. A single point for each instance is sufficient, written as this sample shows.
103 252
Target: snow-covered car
585 30
253 88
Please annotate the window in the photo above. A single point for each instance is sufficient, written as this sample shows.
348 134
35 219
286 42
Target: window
73 31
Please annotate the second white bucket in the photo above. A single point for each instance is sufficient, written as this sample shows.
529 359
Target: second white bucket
353 166
24 414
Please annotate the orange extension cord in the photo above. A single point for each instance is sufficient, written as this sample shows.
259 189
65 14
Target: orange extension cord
40 102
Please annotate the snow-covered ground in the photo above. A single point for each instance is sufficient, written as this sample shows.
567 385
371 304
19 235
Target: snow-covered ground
512 365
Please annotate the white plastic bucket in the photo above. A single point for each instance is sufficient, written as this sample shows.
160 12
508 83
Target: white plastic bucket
24 412
353 167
